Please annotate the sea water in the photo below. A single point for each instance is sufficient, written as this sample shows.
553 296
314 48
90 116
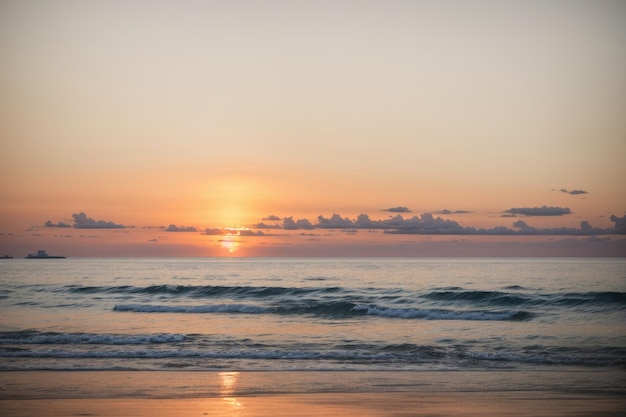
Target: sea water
312 314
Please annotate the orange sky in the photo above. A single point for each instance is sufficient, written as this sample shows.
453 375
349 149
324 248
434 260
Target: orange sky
220 114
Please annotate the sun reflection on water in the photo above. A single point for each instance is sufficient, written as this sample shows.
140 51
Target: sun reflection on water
227 389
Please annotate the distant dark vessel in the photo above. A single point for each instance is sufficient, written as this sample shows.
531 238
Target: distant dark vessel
43 255
6 257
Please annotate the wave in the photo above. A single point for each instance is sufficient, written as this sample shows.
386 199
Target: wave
514 287
197 291
440 314
542 359
205 351
499 298
450 302
37 338
513 295
483 297
594 298
335 309
392 355
271 354
218 308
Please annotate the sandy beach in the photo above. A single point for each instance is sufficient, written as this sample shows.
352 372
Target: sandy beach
364 394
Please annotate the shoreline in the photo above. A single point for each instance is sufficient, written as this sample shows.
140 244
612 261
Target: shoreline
524 393
163 384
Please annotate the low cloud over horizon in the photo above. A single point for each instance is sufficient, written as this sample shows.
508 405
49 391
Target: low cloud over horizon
218 231
425 224
82 221
174 228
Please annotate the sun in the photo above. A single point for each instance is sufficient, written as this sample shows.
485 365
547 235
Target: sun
230 242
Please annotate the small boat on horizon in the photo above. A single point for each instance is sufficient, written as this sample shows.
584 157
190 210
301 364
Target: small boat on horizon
43 255
6 257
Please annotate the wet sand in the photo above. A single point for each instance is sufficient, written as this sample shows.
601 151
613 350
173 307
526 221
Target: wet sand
346 394
522 404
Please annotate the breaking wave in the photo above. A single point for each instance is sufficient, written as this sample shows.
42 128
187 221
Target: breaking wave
330 309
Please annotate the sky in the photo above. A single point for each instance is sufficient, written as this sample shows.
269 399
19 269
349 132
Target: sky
313 128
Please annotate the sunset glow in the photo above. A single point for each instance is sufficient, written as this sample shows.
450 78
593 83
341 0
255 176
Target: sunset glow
402 128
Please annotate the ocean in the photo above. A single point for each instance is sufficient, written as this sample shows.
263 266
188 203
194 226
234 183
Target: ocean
365 314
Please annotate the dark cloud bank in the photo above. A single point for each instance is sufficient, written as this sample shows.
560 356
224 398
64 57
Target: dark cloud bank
427 224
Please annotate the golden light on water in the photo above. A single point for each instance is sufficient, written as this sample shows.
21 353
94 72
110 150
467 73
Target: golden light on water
227 388
228 383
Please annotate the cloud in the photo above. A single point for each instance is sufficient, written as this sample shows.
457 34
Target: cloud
247 232
290 224
174 228
573 192
540 211
271 218
427 224
521 224
620 224
237 232
59 224
399 209
267 226
334 222
81 221
213 231
446 211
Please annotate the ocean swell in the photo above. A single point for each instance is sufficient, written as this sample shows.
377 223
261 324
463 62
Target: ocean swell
334 309
440 314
